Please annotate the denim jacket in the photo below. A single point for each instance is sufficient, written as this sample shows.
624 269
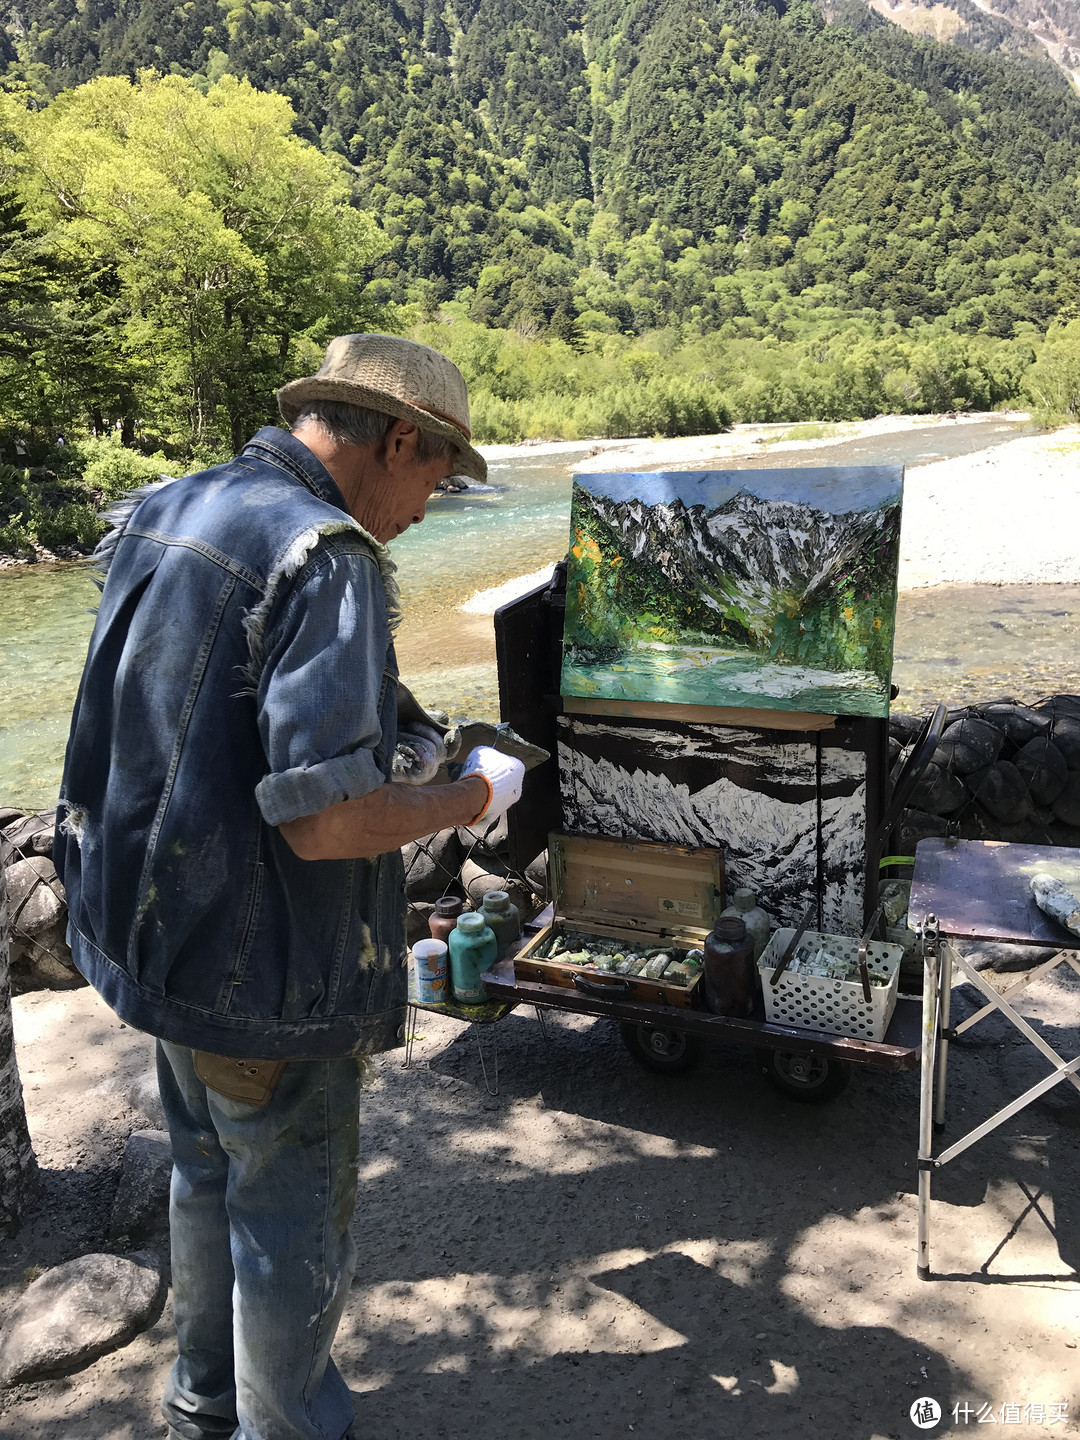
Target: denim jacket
241 673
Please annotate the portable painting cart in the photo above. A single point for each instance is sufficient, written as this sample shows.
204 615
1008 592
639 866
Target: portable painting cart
650 894
803 1064
979 890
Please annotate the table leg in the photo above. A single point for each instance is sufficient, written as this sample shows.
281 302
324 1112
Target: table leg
412 1019
944 1011
926 1096
492 1084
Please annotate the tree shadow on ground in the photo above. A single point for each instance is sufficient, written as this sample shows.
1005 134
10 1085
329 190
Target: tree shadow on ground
598 1250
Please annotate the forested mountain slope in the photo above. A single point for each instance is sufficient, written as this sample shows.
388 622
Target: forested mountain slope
650 161
650 215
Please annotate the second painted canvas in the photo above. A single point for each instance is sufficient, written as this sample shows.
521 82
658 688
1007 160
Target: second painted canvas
770 589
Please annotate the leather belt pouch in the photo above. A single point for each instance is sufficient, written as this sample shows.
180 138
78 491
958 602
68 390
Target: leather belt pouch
250 1081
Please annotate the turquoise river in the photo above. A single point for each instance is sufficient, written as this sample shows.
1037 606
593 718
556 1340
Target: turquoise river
958 642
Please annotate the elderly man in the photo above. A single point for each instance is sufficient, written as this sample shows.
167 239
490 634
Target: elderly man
229 840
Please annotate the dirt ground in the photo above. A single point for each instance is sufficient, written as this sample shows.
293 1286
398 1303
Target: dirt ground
598 1250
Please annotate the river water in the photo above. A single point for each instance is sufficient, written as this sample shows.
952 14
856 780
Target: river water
955 642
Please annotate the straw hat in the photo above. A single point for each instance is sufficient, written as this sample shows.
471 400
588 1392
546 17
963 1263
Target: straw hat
398 377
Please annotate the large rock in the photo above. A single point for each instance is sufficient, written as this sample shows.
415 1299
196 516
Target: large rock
904 726
1019 723
431 865
1002 790
44 962
938 791
969 744
1066 806
78 1311
143 1095
478 880
919 825
1066 736
35 895
489 835
416 920
8 815
40 958
1043 766
1060 705
33 834
141 1206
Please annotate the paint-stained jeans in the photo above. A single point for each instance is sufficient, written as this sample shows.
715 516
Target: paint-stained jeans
262 1257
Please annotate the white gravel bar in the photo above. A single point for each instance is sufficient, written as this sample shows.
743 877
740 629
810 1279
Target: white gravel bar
1005 516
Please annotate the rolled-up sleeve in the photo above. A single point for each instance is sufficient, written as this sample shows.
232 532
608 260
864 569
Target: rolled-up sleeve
320 689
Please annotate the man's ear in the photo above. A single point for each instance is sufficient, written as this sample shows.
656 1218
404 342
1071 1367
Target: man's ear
399 442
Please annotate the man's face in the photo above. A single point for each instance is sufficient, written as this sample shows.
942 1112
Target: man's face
394 488
407 499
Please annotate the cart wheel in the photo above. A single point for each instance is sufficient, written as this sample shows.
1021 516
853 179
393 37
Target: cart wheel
810 1079
668 1052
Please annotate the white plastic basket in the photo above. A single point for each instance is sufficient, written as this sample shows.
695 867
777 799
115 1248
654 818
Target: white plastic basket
835 1007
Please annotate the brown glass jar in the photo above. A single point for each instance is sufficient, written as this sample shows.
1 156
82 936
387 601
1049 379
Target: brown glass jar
730 973
443 918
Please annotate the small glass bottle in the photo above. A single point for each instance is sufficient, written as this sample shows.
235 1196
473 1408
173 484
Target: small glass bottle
473 949
744 907
444 917
730 972
502 916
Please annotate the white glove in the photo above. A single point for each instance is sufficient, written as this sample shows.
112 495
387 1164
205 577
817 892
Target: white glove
504 775
418 754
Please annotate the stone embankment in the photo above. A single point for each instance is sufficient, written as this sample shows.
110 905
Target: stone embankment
40 958
462 861
1002 771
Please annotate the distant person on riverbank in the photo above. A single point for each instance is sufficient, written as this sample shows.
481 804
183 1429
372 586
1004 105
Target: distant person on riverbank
229 838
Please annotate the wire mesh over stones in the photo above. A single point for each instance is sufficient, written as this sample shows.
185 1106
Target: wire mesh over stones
939 790
1002 790
1018 723
31 834
432 864
35 895
1029 792
969 744
1043 767
481 866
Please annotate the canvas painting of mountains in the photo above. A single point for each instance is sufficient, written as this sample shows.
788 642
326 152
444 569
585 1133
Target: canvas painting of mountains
771 589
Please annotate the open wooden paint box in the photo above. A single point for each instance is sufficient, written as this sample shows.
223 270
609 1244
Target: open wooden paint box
635 891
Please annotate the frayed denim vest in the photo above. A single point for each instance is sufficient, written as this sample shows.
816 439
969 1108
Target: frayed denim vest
190 915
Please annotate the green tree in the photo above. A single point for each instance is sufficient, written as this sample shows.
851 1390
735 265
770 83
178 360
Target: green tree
231 241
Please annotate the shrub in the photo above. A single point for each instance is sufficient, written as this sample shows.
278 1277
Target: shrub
110 469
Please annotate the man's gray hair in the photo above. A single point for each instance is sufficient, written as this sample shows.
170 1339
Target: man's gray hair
356 425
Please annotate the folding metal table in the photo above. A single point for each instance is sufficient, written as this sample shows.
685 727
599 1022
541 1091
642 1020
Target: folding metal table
979 890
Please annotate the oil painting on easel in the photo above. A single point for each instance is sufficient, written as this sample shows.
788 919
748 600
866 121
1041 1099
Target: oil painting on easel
771 589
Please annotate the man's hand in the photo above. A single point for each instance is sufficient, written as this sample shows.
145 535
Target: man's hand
503 775
385 819
419 753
